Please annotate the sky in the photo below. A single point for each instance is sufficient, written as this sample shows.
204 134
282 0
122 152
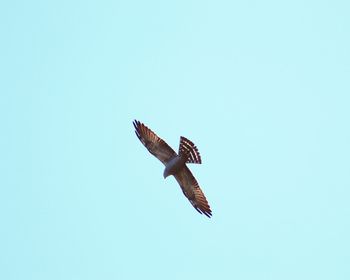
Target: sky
261 87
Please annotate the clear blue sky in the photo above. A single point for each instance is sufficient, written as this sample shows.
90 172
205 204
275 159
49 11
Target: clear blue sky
261 87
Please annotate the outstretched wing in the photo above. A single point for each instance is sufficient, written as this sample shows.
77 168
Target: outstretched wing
155 145
192 191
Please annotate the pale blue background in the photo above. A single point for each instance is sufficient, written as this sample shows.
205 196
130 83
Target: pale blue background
262 88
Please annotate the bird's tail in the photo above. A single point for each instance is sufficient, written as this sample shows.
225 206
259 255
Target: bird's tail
189 150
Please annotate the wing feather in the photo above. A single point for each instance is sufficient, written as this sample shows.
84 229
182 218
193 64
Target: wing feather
154 144
192 191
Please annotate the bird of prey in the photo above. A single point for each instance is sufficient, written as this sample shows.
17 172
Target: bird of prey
175 164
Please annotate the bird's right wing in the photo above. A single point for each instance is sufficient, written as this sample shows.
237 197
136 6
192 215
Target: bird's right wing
154 144
192 191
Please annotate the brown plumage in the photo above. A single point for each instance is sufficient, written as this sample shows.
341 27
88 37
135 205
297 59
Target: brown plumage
175 164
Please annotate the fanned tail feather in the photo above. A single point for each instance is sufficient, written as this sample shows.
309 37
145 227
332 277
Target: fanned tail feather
188 149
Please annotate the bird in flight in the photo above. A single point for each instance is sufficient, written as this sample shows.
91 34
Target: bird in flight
175 164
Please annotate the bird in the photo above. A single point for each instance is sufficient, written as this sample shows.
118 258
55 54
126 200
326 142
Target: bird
175 164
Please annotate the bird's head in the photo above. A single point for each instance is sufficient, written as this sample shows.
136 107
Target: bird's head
166 173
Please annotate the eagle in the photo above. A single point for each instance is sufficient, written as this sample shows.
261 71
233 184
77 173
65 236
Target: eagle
175 164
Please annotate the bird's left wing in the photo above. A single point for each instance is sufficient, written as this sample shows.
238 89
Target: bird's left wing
155 145
192 191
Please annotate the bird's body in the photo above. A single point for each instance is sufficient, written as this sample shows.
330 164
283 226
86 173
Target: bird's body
175 164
